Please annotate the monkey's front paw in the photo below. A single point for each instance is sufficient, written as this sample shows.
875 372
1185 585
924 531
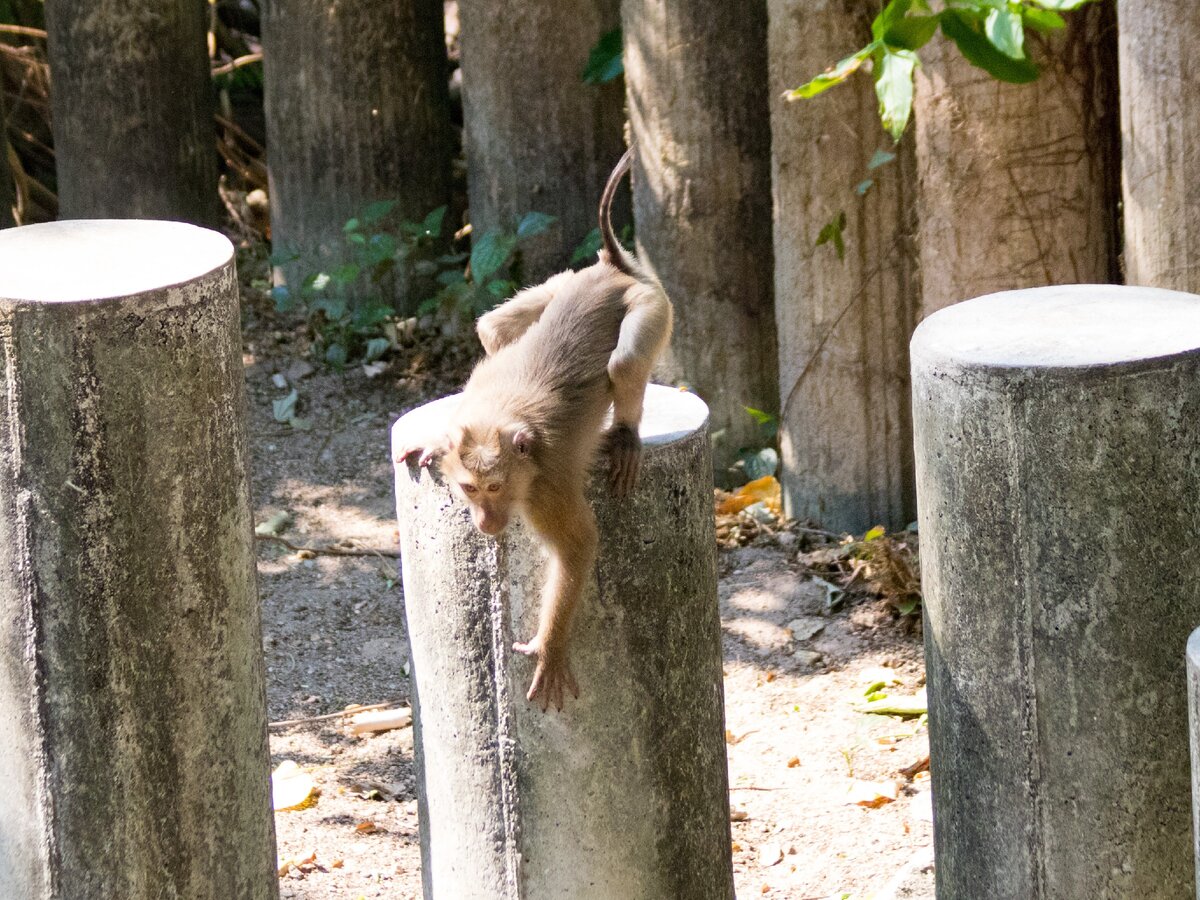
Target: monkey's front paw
552 677
425 455
623 448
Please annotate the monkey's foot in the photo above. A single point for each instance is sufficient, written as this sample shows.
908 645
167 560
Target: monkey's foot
624 450
552 677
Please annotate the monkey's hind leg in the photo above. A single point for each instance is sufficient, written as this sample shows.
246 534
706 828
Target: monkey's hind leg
507 322
645 331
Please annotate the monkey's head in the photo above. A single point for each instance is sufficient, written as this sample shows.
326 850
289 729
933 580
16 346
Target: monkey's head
491 469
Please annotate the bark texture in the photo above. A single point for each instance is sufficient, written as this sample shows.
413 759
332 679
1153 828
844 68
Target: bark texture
1056 434
1019 183
696 76
132 110
8 191
538 137
357 109
133 740
623 794
844 324
1160 135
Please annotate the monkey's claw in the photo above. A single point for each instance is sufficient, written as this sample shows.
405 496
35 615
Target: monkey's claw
552 677
624 450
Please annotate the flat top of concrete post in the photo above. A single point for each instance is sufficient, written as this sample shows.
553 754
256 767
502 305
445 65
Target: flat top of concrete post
670 415
1068 326
97 259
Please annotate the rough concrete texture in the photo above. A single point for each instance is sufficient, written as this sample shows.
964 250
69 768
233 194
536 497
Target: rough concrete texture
133 753
844 324
1193 680
1058 478
624 794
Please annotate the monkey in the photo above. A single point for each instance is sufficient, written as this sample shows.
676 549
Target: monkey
530 422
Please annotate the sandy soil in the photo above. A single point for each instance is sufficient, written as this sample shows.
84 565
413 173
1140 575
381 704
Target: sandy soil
334 635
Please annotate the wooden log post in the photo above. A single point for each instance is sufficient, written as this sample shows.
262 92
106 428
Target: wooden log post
1056 435
537 137
133 110
133 739
844 320
623 794
696 79
357 106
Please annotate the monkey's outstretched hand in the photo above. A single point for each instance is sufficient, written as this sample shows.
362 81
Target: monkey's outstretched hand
428 450
623 448
552 675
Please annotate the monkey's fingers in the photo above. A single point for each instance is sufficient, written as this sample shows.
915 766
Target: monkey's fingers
429 456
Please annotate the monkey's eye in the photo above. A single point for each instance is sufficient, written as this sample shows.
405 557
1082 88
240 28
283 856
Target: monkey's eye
468 488
492 488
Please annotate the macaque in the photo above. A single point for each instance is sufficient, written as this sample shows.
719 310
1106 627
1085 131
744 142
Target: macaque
530 422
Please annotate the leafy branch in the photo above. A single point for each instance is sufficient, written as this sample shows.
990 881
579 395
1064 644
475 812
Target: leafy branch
990 34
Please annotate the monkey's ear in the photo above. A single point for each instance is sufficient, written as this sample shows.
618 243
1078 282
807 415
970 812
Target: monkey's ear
523 440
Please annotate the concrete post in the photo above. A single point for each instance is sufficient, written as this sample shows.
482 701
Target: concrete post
1058 482
133 750
1193 681
624 794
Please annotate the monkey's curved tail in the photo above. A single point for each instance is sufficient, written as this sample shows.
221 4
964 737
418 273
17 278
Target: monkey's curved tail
612 252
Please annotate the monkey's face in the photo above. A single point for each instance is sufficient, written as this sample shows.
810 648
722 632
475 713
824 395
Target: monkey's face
493 478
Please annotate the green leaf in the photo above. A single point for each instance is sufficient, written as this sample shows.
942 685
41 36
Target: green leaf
334 308
376 347
451 276
490 253
911 32
335 355
836 74
351 225
501 289
1043 20
534 223
863 186
374 212
282 257
432 226
367 315
894 88
963 28
760 417
888 17
880 158
605 62
874 534
316 282
833 232
1006 31
588 247
357 238
285 407
283 298
346 274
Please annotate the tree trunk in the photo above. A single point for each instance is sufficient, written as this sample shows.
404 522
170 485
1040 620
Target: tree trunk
357 108
132 106
1160 90
8 191
696 74
1019 183
844 324
538 137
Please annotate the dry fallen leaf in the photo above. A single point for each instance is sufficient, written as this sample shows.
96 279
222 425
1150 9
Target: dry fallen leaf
306 862
765 490
793 762
872 794
291 787
367 827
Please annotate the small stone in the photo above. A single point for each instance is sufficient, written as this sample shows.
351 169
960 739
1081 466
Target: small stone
808 658
806 627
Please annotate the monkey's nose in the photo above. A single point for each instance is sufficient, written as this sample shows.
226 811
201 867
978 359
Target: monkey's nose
491 525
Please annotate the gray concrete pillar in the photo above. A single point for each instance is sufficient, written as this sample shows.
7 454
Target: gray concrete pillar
624 794
1058 478
1193 681
133 748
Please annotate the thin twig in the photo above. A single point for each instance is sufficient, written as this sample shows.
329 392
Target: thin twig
752 787
329 551
23 30
335 715
248 60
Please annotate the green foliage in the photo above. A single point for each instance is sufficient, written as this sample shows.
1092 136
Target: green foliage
592 242
758 462
990 34
346 307
832 232
605 62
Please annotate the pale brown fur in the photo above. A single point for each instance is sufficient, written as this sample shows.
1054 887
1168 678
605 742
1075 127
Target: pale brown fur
529 425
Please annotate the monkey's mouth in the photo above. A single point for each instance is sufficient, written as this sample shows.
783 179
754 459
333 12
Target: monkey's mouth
491 526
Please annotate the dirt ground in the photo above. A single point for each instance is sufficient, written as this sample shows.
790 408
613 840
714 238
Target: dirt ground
800 753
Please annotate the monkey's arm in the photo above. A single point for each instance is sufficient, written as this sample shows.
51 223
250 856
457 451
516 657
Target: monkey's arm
507 322
645 331
429 448
566 524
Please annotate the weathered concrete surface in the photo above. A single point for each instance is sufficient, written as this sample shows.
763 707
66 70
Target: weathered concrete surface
133 752
1058 480
624 794
1193 680
844 324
